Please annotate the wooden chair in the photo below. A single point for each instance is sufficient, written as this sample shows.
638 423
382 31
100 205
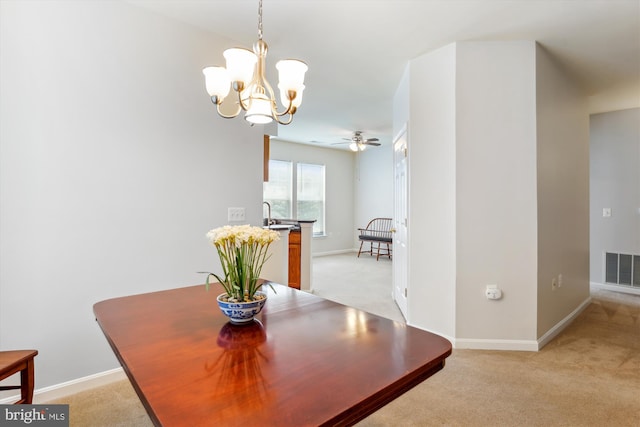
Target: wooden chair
378 232
12 362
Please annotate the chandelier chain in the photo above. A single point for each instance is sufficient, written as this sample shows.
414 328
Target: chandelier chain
260 20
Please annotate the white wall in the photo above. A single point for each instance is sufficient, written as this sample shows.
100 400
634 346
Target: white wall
496 189
374 185
113 166
432 191
563 193
339 191
615 184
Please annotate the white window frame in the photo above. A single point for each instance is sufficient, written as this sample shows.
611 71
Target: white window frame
294 194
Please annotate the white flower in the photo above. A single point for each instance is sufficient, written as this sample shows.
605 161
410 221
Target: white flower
243 251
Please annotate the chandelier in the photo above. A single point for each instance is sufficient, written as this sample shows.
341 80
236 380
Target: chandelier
245 74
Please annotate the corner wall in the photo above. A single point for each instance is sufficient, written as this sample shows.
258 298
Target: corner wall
498 185
432 191
563 193
496 190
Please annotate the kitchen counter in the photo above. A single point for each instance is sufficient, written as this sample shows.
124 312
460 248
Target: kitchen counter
290 261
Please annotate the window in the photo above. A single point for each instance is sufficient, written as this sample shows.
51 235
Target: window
310 192
296 193
278 190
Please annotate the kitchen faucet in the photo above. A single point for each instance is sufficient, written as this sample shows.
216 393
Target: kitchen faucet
268 213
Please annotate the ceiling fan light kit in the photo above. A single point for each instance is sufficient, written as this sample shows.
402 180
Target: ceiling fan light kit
245 74
354 146
358 143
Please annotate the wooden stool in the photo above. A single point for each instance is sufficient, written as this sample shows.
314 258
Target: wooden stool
21 361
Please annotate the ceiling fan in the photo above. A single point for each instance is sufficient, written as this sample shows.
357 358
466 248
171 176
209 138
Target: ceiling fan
357 142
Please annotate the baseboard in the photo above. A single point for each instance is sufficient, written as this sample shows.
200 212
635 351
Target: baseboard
486 344
59 391
521 345
490 344
559 327
615 288
338 252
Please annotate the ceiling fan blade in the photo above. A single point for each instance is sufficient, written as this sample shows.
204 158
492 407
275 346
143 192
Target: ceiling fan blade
339 143
375 144
371 139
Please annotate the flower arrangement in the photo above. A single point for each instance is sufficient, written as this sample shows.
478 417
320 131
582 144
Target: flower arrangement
243 251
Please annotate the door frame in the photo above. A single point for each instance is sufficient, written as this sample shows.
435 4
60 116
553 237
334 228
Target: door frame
400 266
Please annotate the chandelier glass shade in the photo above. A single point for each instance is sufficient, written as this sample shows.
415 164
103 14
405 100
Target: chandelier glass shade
244 73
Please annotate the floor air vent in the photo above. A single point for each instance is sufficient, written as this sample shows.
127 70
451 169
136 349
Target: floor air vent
622 269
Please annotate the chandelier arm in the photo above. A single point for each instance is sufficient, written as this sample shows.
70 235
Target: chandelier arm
263 82
260 84
274 110
290 109
241 103
218 103
227 116
277 119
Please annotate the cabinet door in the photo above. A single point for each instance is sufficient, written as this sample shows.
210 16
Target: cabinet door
294 259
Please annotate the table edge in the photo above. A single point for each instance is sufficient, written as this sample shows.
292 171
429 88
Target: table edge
348 417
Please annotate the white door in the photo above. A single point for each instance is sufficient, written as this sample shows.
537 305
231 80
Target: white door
400 249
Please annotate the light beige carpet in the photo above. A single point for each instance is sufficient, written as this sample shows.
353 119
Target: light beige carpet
588 376
357 282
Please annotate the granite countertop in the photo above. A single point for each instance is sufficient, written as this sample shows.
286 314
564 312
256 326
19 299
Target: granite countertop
293 221
289 223
292 227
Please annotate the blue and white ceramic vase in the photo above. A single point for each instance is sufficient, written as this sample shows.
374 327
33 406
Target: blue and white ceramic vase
242 312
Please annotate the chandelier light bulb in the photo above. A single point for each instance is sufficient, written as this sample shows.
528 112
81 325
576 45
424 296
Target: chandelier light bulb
260 110
353 146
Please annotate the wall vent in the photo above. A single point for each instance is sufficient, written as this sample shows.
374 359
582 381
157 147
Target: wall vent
622 269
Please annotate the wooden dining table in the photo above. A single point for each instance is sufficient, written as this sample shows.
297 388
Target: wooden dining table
304 360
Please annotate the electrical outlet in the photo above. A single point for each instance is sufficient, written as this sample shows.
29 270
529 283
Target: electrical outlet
235 214
493 292
559 280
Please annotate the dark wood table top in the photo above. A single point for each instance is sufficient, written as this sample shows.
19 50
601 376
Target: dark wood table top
306 362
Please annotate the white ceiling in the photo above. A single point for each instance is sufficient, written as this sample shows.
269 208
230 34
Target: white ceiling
356 50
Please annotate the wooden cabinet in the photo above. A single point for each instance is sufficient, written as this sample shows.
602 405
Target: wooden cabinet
295 252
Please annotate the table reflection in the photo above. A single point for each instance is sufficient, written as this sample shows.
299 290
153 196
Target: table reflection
238 368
